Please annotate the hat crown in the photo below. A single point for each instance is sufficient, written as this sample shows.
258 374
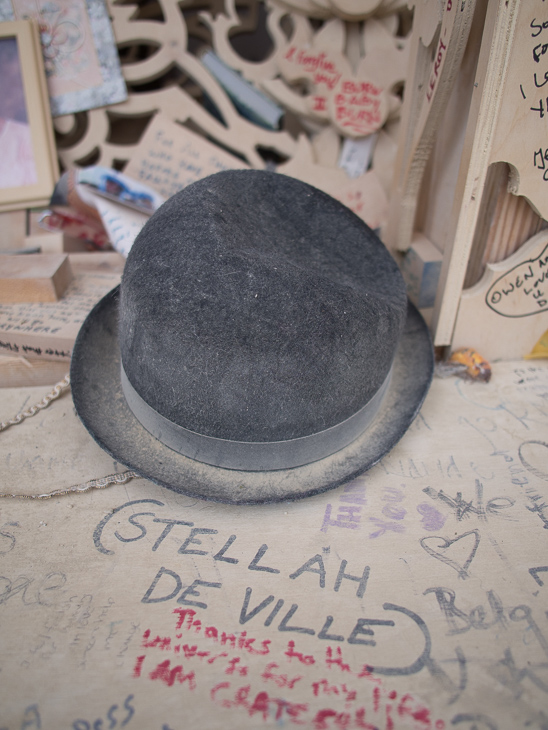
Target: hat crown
256 308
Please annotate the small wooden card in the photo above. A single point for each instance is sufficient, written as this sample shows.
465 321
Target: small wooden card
170 157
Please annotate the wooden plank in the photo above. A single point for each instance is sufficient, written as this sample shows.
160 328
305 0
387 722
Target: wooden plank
505 223
437 191
430 85
57 243
520 134
20 372
487 98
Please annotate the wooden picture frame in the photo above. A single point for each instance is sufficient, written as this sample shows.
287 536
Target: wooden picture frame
29 167
81 59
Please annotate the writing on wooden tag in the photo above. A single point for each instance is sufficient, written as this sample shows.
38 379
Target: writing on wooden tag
523 290
520 135
506 312
170 157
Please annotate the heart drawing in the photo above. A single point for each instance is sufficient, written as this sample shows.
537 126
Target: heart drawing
442 549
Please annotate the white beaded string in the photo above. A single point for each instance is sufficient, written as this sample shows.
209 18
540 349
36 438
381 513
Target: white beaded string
101 483
58 389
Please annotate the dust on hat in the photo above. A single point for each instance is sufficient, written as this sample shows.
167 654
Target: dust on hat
260 347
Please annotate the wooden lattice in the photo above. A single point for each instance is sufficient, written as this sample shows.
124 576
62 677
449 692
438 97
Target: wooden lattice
162 74
159 43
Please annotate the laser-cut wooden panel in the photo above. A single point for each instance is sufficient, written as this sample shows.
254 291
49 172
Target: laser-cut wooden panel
159 42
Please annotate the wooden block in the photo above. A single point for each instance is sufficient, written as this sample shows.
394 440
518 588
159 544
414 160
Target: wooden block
421 268
33 277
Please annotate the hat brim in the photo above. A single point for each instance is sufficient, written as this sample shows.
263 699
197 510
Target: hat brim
100 404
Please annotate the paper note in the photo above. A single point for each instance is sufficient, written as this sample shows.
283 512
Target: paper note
122 224
356 155
170 157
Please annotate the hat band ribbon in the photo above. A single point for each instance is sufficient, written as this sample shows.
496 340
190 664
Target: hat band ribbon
252 455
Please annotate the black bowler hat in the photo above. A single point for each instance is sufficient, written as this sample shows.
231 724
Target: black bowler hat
260 346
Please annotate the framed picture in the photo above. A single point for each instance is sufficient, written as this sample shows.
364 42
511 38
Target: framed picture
28 168
79 50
